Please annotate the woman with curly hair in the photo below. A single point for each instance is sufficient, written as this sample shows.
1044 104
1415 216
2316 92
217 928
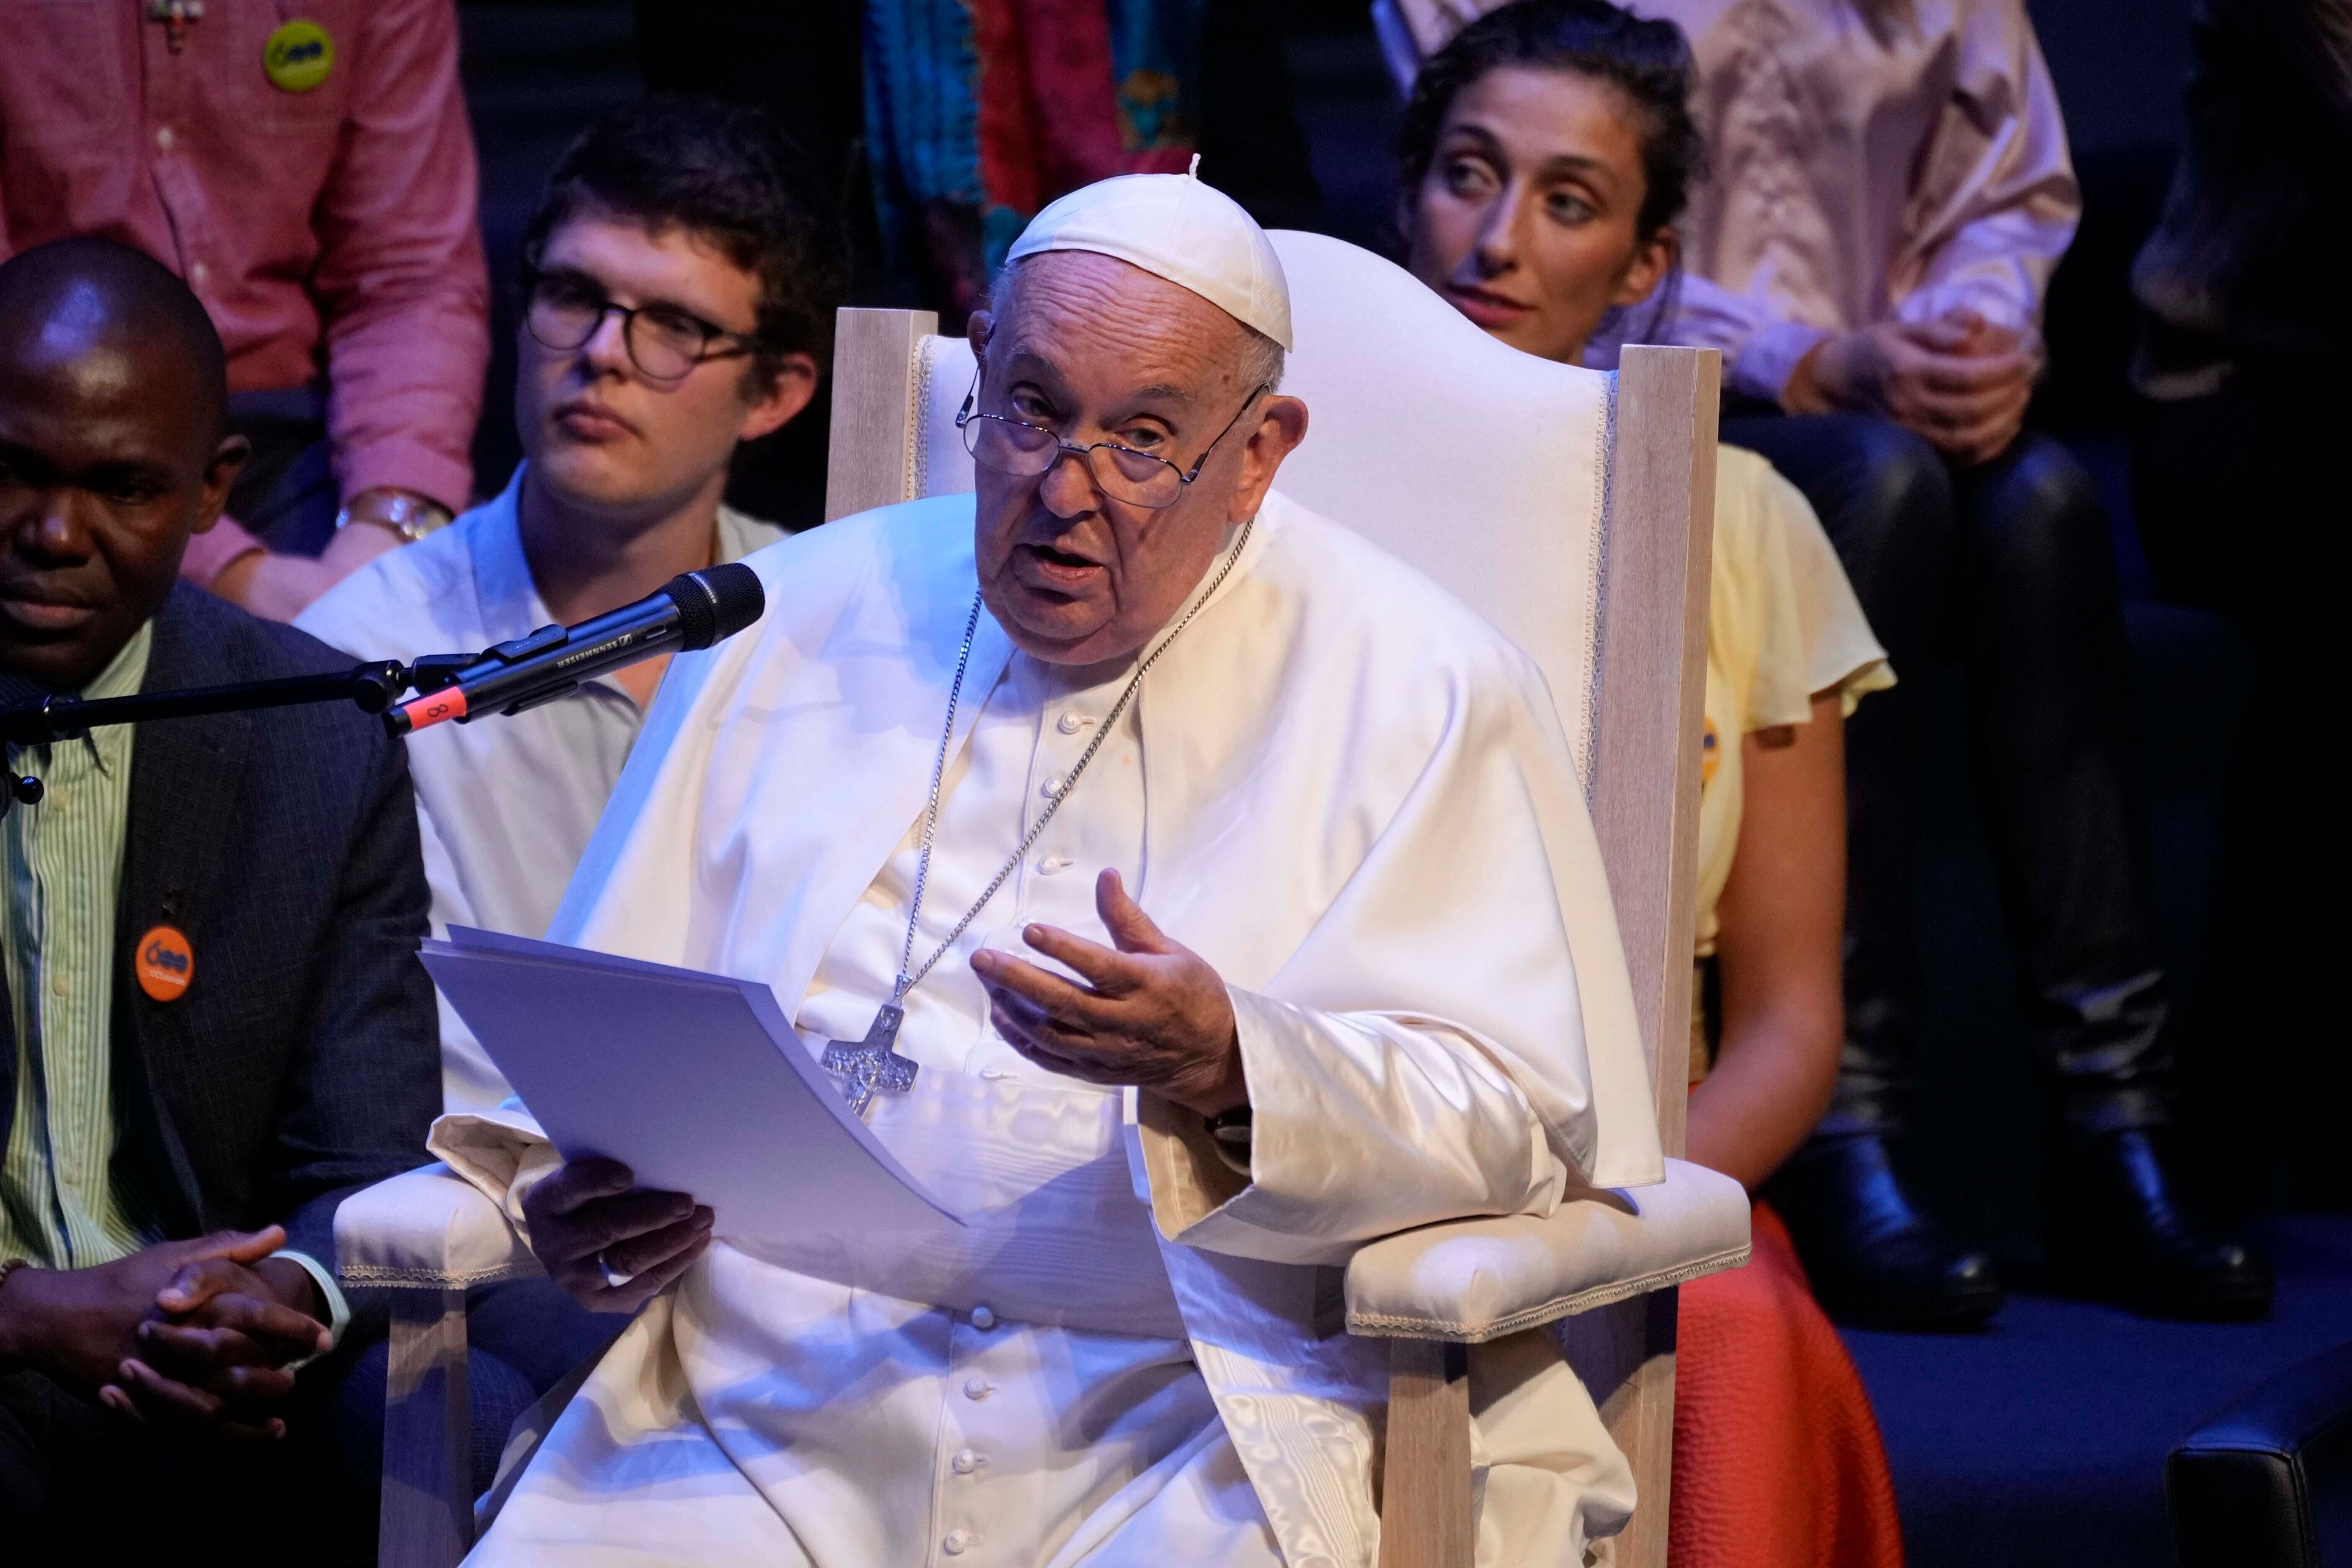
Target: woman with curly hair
1548 154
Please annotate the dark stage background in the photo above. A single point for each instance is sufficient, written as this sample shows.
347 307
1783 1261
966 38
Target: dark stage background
2042 1440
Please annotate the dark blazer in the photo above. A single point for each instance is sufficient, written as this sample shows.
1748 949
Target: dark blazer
303 1060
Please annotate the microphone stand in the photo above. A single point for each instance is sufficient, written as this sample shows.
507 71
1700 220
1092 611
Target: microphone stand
372 687
376 687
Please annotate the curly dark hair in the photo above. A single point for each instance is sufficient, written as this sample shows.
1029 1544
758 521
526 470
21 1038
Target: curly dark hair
731 175
1649 61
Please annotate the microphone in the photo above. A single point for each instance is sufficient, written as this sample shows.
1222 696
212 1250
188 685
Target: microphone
692 610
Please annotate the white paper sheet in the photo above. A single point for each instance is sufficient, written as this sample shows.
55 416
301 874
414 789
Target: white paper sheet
695 1082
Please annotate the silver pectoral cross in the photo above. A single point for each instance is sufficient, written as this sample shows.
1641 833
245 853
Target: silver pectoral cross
872 1063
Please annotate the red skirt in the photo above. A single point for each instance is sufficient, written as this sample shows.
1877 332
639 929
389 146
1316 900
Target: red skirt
1776 1457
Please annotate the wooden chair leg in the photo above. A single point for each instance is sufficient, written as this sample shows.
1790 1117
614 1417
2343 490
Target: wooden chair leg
1425 1519
427 1518
1625 1354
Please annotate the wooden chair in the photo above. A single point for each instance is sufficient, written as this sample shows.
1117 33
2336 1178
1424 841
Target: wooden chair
1574 511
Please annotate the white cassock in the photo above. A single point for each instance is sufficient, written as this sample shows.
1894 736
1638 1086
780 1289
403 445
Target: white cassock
1345 792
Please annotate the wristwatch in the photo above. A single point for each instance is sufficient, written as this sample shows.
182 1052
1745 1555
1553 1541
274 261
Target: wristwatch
410 516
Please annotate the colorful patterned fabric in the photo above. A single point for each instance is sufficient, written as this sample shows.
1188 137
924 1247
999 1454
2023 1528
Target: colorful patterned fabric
980 111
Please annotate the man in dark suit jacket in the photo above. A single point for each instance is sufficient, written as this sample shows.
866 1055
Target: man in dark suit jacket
215 1024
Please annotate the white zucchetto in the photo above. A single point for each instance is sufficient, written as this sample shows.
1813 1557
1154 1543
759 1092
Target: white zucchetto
1172 226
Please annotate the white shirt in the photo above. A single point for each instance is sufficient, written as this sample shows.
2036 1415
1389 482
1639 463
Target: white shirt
504 805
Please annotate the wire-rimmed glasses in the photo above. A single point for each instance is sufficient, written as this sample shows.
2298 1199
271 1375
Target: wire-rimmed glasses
565 309
1139 479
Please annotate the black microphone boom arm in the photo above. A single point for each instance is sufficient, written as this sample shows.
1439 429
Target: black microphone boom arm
374 686
693 610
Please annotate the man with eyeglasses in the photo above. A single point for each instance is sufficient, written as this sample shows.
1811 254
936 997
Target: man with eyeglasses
1185 892
680 287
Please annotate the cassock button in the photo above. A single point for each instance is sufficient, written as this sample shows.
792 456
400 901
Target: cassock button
1051 787
977 1387
1070 724
983 1317
965 1461
956 1542
1052 865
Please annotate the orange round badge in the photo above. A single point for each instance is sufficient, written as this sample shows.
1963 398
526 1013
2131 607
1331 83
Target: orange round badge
166 963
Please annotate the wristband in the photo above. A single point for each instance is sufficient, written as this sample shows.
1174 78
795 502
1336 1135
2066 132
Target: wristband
338 1311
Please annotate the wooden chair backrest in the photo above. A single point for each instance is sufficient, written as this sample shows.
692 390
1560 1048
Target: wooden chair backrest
1575 511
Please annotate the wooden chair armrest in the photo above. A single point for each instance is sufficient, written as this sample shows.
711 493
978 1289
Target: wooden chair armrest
431 1235
426 1229
1469 1281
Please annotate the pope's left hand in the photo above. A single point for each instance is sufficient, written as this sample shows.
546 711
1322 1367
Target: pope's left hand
1153 1013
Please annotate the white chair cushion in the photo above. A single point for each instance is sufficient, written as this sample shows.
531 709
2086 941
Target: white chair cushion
1484 468
1475 1280
429 1229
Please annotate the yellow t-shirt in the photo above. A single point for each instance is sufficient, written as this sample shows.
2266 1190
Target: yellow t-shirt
1782 624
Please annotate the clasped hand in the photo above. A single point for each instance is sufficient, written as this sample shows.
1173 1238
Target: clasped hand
1960 382
188 1336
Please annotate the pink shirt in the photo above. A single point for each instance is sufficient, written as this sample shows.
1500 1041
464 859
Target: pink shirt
1872 159
332 229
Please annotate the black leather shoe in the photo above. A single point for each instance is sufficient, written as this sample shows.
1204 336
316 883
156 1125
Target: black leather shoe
2122 1224
1876 1261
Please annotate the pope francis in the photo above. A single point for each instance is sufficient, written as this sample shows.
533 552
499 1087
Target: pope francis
1188 893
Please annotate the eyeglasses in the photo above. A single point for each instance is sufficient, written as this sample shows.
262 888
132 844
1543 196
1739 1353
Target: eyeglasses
1122 473
565 310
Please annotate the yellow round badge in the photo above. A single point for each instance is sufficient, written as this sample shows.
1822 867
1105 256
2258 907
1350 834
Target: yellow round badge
298 56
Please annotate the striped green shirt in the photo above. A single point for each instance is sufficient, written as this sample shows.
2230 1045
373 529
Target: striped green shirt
59 1203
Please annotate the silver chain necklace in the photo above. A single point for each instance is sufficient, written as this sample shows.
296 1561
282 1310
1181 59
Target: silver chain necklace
874 1063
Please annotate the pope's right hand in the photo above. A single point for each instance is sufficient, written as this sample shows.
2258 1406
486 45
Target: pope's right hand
590 1226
